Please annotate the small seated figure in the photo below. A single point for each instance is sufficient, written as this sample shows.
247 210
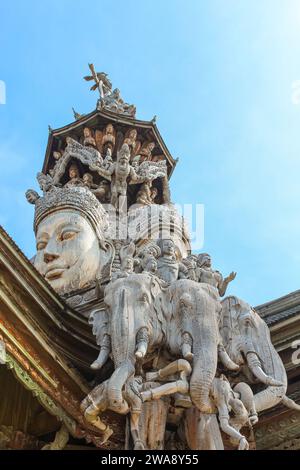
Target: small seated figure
205 273
169 269
88 140
74 176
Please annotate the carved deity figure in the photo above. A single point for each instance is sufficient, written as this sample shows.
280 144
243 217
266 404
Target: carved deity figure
74 176
122 174
169 269
88 140
206 274
132 143
146 151
108 139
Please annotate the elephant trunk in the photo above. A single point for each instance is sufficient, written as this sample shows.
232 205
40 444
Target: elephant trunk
253 360
268 398
256 369
116 384
200 384
276 389
123 345
103 354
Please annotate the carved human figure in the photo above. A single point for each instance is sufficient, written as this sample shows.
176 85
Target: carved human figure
206 274
57 155
88 139
149 264
168 268
121 173
146 151
144 195
74 176
88 181
101 191
108 139
132 142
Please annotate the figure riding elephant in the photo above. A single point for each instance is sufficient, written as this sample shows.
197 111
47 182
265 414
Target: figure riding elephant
246 338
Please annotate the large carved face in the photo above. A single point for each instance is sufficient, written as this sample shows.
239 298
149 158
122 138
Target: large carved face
68 253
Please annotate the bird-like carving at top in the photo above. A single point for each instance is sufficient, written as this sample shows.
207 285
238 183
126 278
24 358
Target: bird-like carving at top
109 99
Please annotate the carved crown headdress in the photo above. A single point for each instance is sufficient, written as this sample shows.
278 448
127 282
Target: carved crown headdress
76 198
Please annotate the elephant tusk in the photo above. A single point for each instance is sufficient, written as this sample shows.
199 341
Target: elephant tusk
101 359
256 369
225 359
290 403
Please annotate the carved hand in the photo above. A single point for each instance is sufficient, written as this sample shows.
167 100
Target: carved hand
231 277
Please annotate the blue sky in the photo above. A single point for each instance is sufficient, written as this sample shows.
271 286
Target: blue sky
219 76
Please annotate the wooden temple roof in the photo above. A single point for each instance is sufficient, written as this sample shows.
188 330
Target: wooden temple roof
98 118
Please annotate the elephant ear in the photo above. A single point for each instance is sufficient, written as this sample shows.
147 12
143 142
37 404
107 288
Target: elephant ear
107 254
98 319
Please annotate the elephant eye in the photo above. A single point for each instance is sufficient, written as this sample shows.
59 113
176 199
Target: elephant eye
144 298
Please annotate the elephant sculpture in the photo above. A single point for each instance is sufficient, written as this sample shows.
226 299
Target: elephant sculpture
246 339
146 316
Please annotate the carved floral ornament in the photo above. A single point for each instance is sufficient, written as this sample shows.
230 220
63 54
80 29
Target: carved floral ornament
175 341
